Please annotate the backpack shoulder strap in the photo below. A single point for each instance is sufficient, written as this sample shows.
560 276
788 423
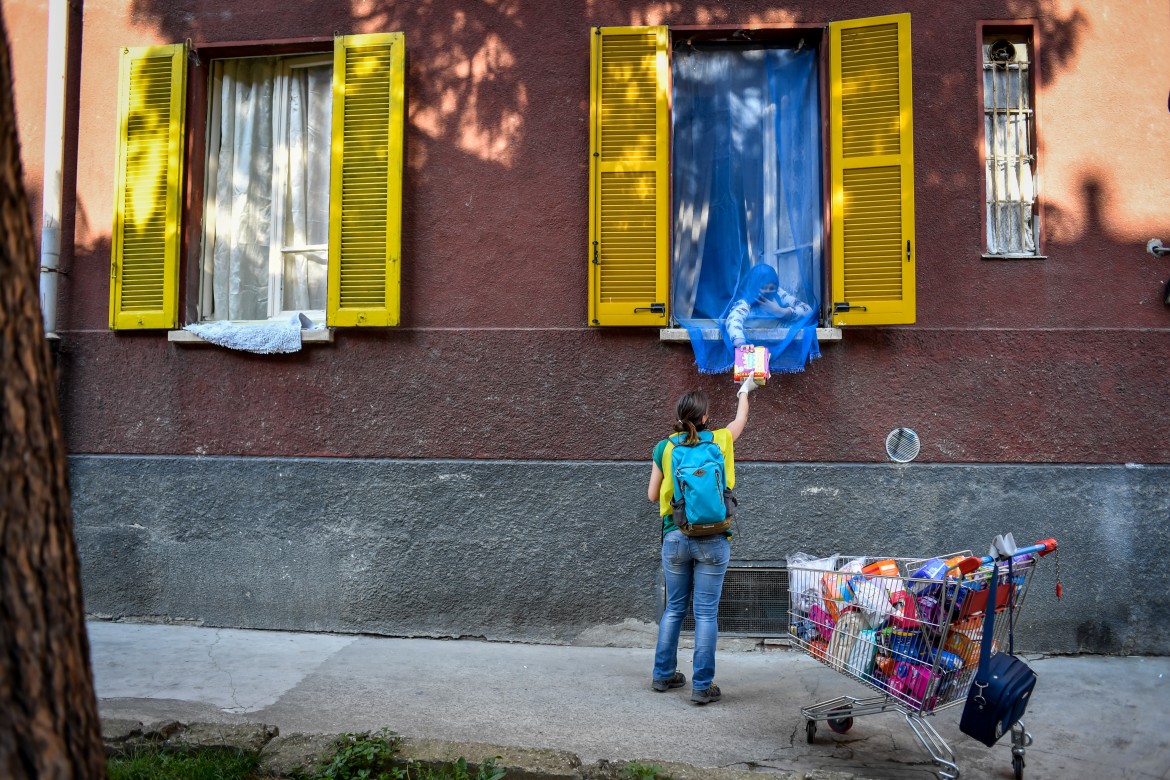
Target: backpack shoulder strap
667 464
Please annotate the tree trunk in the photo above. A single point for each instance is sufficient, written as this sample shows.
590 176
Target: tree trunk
49 726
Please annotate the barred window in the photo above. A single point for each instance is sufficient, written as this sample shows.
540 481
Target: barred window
1008 126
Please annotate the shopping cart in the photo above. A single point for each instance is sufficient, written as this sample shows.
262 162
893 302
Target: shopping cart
908 629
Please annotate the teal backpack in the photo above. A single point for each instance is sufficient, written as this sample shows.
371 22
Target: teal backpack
702 503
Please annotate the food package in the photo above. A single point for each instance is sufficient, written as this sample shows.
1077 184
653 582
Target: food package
964 644
883 568
752 361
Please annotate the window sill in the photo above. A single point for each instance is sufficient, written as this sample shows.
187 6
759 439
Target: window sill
986 256
712 334
185 337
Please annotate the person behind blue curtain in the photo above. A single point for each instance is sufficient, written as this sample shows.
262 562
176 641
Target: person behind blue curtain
762 303
746 160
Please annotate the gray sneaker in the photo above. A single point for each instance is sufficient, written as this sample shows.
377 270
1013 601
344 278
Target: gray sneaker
707 695
676 680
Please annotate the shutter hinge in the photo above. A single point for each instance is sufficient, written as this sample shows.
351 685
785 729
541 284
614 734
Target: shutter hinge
840 307
596 257
654 308
907 250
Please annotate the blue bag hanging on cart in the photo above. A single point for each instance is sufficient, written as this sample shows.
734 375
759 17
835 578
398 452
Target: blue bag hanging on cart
1003 683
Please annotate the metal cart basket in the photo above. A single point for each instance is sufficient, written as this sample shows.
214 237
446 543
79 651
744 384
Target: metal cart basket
907 629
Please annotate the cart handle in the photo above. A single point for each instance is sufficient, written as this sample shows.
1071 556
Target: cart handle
971 563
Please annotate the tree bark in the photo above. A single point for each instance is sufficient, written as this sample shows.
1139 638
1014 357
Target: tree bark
49 725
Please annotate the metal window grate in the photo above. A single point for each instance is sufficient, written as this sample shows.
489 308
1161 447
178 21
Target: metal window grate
754 601
1012 220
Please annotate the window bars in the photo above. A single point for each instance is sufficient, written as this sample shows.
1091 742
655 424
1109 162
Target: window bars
1012 220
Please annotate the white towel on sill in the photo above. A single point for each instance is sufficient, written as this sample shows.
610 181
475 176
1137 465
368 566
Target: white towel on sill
264 338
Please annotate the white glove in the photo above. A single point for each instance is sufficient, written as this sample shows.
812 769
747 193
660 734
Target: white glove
748 386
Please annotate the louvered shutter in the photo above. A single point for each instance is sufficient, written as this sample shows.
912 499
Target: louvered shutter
629 176
144 257
365 180
872 171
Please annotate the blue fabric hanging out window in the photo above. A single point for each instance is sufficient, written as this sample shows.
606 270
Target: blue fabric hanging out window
746 156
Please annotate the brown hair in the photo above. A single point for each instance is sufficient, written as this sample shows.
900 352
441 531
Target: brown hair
689 410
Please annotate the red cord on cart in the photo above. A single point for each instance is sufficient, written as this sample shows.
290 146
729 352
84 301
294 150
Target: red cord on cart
1059 589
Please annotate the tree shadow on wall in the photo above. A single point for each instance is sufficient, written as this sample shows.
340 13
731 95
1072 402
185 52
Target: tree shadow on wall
463 83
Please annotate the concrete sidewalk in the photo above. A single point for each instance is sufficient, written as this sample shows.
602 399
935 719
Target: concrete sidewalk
1091 716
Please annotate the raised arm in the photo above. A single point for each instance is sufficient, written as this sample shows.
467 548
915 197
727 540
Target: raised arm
737 425
735 321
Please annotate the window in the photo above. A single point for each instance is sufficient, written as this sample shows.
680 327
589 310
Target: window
266 191
636 116
1009 147
301 202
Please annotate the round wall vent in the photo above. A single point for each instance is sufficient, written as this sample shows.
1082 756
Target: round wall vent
902 445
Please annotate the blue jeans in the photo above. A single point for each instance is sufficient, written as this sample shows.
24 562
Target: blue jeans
692 565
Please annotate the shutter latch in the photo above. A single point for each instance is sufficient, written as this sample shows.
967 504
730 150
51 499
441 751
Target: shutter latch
654 308
840 307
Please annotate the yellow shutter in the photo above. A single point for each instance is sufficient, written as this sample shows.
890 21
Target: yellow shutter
365 180
629 176
872 171
144 256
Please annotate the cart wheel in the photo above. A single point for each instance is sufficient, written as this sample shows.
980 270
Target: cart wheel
1018 767
840 725
811 728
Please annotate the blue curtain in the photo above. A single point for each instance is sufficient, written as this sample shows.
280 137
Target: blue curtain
746 156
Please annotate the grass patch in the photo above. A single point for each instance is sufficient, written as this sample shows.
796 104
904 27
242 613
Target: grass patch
637 771
198 765
365 756
371 755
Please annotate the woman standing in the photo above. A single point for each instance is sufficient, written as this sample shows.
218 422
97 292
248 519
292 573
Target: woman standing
694 566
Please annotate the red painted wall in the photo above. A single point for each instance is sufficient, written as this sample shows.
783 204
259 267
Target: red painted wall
1059 360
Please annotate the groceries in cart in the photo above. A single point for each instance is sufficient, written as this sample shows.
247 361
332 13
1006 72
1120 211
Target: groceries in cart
905 626
909 629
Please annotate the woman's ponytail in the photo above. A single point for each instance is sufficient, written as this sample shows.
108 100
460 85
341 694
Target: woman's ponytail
690 411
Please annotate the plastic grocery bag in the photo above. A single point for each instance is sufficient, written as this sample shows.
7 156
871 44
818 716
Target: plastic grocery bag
804 580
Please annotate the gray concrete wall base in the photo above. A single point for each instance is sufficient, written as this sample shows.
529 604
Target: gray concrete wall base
557 552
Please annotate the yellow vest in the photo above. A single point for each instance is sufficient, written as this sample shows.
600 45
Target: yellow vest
666 492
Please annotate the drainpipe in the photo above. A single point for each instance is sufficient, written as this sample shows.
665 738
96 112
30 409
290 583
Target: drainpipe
58 50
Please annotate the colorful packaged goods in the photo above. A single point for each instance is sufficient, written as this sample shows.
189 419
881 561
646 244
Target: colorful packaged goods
923 580
872 596
905 610
884 568
823 622
752 361
904 644
862 655
964 644
910 682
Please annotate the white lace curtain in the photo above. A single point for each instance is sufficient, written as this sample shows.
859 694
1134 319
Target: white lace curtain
266 217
